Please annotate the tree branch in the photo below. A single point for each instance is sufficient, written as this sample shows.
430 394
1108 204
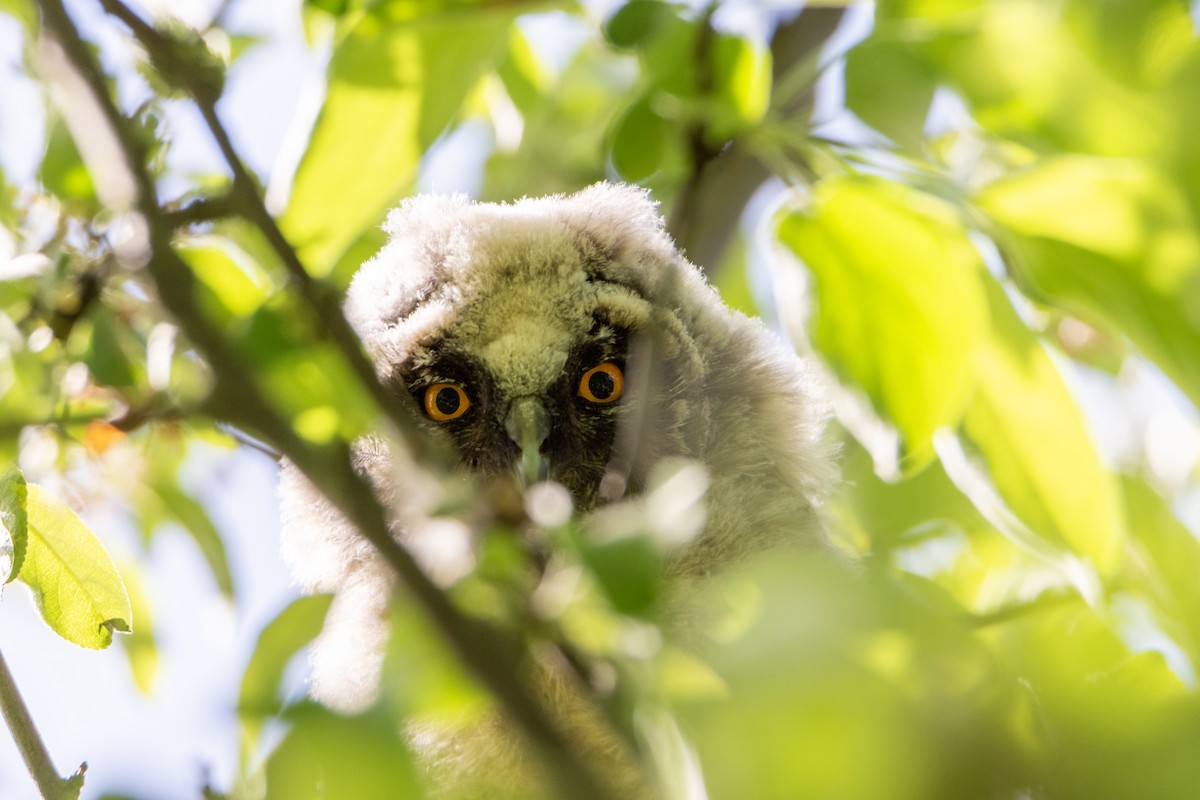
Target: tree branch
707 209
238 396
29 742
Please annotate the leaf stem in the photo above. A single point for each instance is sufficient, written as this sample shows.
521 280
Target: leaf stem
29 742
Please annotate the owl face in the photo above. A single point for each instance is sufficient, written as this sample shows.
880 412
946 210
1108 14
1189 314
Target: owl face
558 422
515 329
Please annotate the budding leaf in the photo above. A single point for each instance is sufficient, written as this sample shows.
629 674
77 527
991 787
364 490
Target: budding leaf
75 584
13 524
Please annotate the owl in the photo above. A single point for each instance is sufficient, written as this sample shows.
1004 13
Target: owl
559 339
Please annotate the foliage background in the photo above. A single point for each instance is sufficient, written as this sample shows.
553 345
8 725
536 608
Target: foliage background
978 215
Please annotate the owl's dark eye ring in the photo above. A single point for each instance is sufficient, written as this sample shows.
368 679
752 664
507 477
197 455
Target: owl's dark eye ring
603 383
445 401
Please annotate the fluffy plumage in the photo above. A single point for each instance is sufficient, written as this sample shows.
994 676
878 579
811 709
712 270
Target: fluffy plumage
515 303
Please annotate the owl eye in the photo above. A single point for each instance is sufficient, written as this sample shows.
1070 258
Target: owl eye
445 401
602 384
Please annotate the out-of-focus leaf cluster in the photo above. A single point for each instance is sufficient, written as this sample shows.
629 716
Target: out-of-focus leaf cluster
1009 214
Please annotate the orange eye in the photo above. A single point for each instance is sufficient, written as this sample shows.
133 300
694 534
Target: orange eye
602 384
445 401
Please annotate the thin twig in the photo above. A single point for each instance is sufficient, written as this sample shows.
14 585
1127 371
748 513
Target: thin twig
204 209
237 395
29 742
721 182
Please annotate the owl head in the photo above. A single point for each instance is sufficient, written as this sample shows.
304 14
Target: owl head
519 331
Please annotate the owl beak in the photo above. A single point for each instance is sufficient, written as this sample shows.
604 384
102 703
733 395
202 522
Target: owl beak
528 425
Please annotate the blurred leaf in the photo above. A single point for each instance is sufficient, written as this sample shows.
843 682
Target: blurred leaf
639 21
175 504
332 757
75 584
566 134
830 672
629 571
640 141
1025 77
1040 456
1137 42
1108 724
282 638
140 646
112 349
336 8
741 85
899 305
422 678
946 12
394 86
99 436
1113 242
63 172
24 11
239 285
890 89
306 377
14 522
1169 565
525 78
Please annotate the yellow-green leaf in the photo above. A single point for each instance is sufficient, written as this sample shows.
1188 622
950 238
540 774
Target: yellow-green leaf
1114 242
140 646
1031 433
741 76
899 304
280 640
394 86
14 527
237 283
75 584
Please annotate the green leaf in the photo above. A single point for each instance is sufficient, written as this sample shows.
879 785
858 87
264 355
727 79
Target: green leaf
63 172
23 11
1170 565
1113 242
112 350
1032 435
239 285
279 642
140 647
937 11
629 570
526 79
421 677
176 504
899 303
1024 76
640 141
741 85
890 89
75 584
309 382
1137 42
14 523
333 757
394 86
639 21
